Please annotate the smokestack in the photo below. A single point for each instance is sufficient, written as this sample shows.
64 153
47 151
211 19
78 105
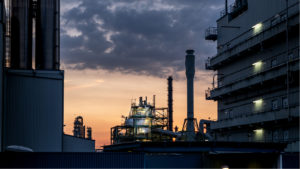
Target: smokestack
170 103
141 101
226 7
190 74
154 100
47 35
21 34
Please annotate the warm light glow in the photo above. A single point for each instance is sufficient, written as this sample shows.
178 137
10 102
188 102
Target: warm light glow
259 63
103 99
260 101
258 134
257 66
258 105
257 28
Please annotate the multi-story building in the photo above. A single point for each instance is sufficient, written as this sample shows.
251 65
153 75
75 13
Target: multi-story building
256 83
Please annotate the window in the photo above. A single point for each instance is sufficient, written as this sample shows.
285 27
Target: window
273 63
286 135
275 136
283 17
274 104
220 82
285 102
291 56
275 20
226 114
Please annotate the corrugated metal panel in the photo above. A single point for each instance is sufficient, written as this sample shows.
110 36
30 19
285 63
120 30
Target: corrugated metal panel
1 65
73 160
34 109
76 144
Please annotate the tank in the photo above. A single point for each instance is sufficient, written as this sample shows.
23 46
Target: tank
47 35
21 34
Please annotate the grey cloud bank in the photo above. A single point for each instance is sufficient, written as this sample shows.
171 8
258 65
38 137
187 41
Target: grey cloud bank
133 36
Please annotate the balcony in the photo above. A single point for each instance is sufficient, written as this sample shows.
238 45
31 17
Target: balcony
211 33
254 37
254 118
252 79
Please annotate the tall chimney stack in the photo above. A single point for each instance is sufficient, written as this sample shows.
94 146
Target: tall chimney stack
190 74
21 34
170 103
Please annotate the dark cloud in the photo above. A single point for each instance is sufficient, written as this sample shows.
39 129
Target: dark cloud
133 36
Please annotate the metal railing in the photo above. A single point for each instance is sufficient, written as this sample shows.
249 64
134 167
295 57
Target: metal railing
266 25
211 31
267 65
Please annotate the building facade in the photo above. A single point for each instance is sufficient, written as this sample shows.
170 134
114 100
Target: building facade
256 83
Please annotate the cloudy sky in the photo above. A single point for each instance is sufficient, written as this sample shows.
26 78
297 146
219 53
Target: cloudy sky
116 50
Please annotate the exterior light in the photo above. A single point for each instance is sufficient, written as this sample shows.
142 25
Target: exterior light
259 63
225 167
260 101
258 134
258 105
257 66
257 28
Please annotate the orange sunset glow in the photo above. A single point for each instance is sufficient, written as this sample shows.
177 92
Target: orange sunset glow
102 97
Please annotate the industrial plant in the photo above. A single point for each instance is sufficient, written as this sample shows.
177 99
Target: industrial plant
255 84
148 123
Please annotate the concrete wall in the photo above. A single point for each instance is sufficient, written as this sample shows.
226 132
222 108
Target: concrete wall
75 144
258 11
248 106
244 67
33 109
239 116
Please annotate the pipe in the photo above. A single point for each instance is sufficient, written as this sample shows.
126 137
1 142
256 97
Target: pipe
170 103
47 35
21 34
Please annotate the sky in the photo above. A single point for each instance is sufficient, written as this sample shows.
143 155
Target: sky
114 51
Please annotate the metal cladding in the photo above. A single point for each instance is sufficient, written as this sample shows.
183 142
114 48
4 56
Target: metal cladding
190 74
21 34
170 103
47 35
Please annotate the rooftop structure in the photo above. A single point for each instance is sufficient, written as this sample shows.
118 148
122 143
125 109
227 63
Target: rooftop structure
257 71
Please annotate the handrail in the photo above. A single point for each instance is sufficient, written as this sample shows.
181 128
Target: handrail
270 58
249 30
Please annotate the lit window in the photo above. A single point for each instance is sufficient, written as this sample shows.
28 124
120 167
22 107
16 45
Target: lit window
274 104
285 102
